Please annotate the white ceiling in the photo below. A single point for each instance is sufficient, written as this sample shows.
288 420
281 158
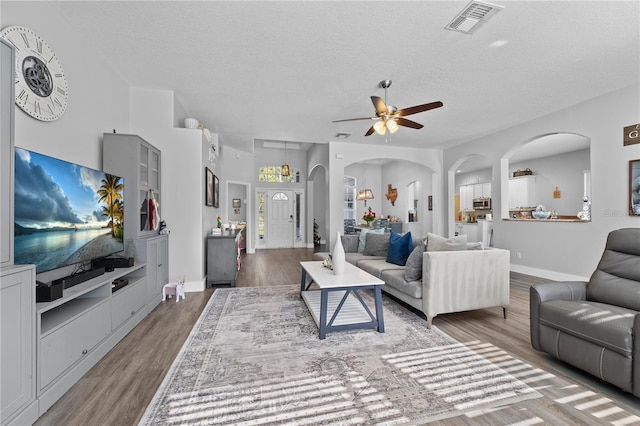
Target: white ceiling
283 70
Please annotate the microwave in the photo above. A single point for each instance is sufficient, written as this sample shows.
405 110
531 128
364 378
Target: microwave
482 203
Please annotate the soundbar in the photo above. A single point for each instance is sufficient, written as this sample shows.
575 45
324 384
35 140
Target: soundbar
79 277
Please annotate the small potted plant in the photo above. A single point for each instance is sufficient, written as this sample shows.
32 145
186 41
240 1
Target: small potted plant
369 217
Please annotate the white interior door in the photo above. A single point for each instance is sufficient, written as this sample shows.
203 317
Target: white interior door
280 219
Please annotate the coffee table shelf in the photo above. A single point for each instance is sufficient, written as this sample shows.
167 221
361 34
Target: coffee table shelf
352 312
337 304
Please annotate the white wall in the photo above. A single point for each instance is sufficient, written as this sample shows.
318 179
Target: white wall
93 109
563 250
317 190
401 174
98 97
182 182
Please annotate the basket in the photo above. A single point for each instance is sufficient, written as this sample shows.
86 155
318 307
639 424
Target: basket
525 172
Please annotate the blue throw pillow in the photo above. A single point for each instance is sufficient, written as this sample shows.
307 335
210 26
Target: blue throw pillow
400 246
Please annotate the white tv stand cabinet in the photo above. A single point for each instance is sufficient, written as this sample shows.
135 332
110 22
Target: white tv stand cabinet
74 332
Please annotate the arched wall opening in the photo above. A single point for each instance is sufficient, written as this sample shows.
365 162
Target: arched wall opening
552 171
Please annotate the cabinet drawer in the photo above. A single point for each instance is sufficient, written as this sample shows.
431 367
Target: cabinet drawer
65 346
127 302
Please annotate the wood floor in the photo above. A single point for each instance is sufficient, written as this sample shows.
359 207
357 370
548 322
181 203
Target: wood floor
117 390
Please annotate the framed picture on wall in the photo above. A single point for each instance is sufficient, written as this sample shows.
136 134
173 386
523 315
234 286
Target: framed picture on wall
634 187
216 192
236 203
208 187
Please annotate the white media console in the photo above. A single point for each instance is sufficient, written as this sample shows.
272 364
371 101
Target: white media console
74 332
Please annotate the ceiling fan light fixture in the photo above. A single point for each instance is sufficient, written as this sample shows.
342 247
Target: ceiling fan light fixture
380 127
392 126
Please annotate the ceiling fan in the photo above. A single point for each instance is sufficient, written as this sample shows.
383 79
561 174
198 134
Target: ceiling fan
388 117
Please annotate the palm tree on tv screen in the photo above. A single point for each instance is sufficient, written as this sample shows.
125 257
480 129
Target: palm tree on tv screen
111 193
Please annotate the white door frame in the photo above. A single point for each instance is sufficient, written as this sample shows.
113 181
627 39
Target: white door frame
250 231
260 244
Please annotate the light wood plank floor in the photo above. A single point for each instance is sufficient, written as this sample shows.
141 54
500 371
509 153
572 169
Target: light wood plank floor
117 390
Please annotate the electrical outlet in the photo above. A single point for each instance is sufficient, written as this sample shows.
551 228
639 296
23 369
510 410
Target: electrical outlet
519 255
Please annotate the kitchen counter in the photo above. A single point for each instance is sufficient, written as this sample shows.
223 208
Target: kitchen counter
560 219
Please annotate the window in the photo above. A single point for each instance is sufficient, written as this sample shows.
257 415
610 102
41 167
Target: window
272 174
261 215
280 196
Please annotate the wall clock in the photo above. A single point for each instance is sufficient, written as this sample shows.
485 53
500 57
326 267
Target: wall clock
40 84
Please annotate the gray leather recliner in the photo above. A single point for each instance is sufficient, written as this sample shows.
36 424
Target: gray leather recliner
595 325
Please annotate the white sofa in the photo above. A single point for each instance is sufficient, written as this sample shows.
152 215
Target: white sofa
452 281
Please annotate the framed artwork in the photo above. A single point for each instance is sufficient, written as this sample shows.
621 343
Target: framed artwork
430 202
634 187
236 203
208 187
216 192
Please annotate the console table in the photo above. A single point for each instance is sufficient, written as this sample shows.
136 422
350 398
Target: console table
223 256
338 305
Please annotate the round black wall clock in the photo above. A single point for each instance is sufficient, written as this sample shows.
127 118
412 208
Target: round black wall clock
41 87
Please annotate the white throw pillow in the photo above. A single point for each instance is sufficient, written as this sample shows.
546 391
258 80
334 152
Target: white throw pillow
437 243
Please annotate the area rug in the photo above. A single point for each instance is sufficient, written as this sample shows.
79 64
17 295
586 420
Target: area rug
254 358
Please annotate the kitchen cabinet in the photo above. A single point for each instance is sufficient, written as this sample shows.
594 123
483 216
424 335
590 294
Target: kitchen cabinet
522 192
471 230
466 197
471 191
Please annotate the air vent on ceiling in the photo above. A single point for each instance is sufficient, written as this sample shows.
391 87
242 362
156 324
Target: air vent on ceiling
342 135
473 16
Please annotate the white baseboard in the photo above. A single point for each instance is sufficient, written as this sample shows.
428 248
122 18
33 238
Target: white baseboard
193 286
546 274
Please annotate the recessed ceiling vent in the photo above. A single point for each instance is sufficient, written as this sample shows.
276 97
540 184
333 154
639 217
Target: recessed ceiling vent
473 16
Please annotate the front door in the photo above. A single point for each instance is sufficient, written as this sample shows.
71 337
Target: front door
280 223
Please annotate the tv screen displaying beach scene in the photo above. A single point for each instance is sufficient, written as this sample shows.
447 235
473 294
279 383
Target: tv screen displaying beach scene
64 213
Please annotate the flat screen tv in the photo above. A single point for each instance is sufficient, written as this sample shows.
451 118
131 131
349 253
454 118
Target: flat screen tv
64 213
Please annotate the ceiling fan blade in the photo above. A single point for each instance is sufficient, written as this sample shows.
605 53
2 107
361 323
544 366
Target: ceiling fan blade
379 105
408 123
370 131
418 108
355 119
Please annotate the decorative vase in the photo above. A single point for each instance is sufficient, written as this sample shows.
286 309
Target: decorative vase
338 257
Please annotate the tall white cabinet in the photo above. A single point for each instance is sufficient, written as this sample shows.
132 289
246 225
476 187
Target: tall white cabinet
18 403
154 251
6 152
139 163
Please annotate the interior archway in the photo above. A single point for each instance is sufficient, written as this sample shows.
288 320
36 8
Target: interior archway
468 170
560 167
389 180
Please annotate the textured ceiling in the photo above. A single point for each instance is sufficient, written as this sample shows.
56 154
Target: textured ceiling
285 70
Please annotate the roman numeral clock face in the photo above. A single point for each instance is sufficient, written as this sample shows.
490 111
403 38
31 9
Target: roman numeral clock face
41 87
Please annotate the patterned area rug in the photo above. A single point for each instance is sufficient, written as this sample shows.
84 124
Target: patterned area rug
254 357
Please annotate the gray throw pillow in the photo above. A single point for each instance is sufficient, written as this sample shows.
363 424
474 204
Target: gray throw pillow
350 243
413 267
376 244
438 243
363 237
